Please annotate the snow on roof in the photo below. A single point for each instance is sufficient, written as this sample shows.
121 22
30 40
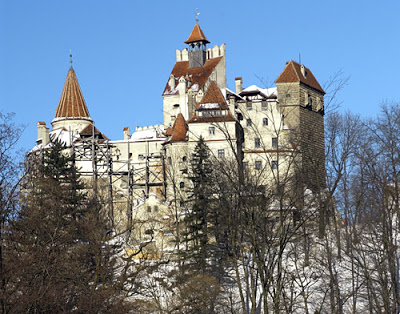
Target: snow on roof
228 91
266 91
148 133
209 106
61 135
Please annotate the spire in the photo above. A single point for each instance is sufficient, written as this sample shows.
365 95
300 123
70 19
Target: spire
72 105
197 35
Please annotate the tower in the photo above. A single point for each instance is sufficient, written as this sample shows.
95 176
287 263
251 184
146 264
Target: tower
301 99
195 67
197 42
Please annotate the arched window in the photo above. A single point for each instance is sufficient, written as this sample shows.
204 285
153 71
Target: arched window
182 185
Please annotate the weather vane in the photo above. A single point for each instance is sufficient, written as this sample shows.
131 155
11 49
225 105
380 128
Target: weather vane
70 56
197 15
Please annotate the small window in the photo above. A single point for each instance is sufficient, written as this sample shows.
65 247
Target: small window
169 161
182 185
181 203
264 105
309 100
249 105
274 165
221 153
173 118
248 122
265 121
156 209
240 117
184 158
211 130
176 105
149 209
258 165
274 142
149 231
257 143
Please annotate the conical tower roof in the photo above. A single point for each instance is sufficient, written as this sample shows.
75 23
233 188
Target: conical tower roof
196 35
72 105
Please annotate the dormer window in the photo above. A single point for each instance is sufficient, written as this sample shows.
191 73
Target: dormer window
176 106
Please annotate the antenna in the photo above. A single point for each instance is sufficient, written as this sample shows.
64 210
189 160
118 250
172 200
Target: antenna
299 58
197 15
70 57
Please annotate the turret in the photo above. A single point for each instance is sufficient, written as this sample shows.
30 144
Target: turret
197 42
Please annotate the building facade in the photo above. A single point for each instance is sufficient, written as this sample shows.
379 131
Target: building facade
263 130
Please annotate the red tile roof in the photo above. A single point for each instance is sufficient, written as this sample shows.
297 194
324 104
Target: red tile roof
213 95
196 35
292 73
72 104
197 76
88 131
227 118
216 101
179 129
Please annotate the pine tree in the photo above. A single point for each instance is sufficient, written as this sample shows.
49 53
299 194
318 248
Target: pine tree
57 245
200 219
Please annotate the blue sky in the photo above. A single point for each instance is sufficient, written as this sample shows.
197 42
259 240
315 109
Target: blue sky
123 52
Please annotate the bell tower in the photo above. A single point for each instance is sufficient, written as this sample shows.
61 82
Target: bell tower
197 42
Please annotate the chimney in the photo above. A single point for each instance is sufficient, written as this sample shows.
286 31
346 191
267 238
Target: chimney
171 81
238 83
126 134
43 133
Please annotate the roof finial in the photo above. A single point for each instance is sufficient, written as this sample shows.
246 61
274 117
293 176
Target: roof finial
70 57
197 15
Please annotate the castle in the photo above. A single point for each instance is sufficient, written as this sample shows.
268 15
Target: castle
260 128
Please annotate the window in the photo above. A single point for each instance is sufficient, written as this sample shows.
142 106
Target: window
184 158
274 165
274 142
182 185
181 203
258 165
309 100
211 130
176 105
257 143
249 105
173 118
245 165
156 208
169 161
264 105
248 122
265 121
221 153
149 209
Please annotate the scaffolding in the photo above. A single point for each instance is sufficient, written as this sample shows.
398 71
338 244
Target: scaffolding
100 160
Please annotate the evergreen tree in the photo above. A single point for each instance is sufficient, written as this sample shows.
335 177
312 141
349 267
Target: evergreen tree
200 219
58 253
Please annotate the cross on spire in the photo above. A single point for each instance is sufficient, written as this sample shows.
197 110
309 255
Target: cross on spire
197 15
70 57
